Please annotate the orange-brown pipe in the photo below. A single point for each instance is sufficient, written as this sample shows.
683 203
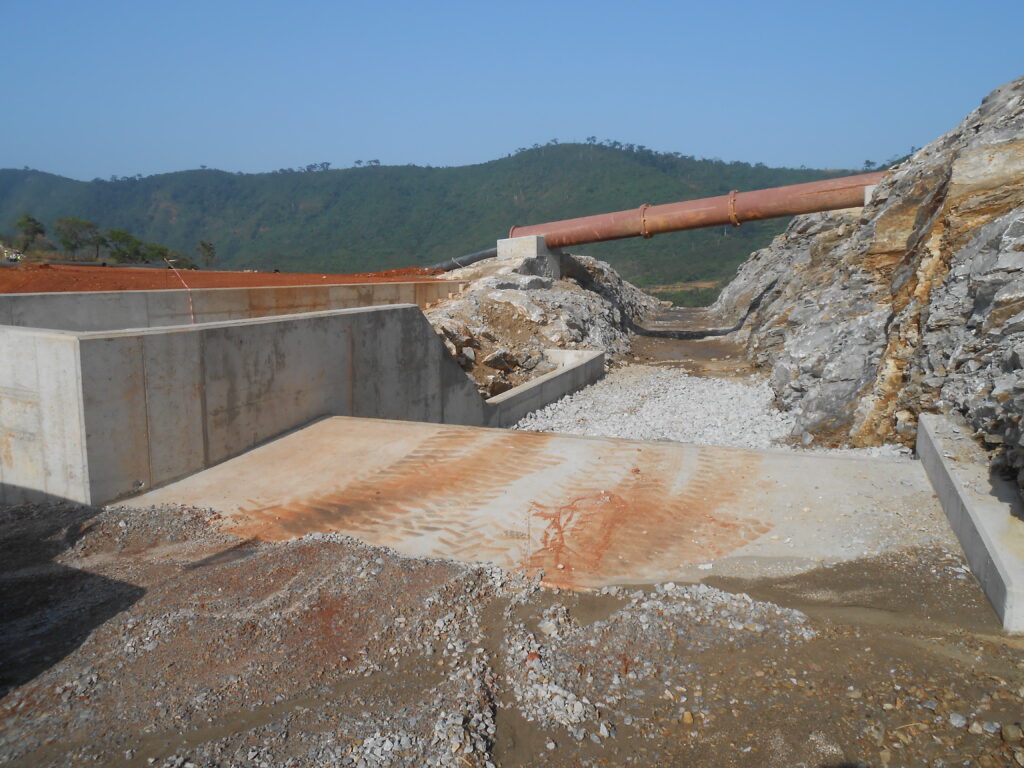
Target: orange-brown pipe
734 208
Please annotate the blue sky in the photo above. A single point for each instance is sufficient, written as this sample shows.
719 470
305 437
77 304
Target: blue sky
100 88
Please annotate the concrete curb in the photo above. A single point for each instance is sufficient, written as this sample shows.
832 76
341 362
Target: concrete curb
576 370
984 510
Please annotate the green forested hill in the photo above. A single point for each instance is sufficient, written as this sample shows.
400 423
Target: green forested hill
379 217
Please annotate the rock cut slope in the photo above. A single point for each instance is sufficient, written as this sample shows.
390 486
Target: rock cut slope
915 303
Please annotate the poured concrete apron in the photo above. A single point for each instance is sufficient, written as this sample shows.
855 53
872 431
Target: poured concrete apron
586 511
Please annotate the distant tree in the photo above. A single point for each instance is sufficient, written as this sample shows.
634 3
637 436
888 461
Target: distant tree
153 253
325 166
96 241
202 167
124 246
357 163
869 164
373 162
29 228
591 139
74 233
207 253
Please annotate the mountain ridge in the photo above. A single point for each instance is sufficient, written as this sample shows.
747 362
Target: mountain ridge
381 217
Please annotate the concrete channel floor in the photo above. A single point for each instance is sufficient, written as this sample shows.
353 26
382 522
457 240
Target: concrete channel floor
588 512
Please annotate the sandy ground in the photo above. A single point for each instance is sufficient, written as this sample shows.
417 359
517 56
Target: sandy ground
46 278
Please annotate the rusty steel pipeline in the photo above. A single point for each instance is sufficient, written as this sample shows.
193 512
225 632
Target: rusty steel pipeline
734 208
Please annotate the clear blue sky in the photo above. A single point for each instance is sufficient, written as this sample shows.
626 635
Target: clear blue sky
100 87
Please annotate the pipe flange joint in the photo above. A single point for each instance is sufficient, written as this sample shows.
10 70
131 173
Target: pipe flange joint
732 208
643 221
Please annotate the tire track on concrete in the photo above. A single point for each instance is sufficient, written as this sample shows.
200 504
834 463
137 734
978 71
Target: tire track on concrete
433 491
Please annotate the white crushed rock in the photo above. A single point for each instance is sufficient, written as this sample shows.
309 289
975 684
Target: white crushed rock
640 402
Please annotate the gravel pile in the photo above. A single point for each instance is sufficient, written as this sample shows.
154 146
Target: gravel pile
645 403
640 402
589 678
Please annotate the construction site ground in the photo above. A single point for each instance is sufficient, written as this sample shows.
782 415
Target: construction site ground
46 278
178 635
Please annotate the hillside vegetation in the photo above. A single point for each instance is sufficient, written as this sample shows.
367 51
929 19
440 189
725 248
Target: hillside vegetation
380 217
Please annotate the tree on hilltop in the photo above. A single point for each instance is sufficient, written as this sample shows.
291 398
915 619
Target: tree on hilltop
207 253
29 228
124 246
75 234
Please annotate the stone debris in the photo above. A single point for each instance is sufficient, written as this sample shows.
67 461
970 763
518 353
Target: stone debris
500 325
323 650
672 623
647 403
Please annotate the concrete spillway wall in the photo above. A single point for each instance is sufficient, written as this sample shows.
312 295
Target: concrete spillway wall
117 310
93 416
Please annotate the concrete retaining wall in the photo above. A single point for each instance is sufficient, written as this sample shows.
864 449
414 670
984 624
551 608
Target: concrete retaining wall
116 310
983 509
42 446
111 413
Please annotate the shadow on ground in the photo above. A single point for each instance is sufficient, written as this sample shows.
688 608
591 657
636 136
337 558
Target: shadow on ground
48 609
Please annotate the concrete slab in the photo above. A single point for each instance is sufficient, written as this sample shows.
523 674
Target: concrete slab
984 509
587 511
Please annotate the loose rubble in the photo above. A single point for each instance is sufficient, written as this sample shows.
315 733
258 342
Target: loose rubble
148 637
646 403
499 327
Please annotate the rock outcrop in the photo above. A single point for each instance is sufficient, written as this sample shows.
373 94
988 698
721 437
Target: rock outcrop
501 323
915 303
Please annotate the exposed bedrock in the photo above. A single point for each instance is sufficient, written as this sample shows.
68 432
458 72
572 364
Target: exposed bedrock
868 317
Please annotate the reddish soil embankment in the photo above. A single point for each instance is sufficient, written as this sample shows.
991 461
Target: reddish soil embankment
42 278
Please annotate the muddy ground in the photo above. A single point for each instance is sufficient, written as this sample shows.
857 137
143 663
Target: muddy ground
712 357
148 637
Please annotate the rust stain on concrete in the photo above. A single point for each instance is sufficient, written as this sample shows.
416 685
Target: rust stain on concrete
610 511
416 494
643 522
585 511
